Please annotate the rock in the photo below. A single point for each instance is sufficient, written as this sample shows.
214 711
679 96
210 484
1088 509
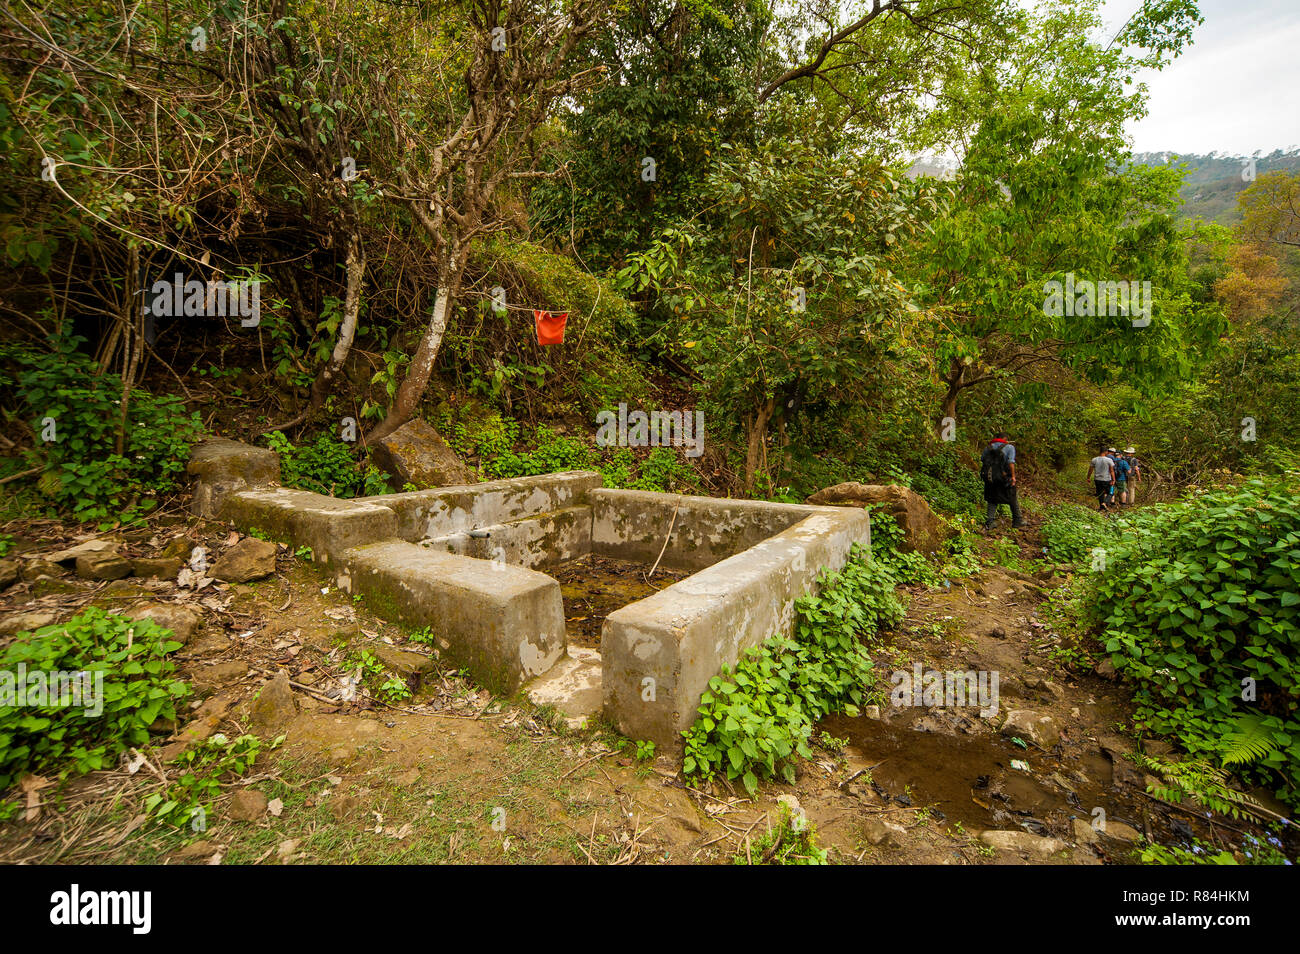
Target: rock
211 678
157 568
35 569
871 712
792 803
224 466
1045 685
248 805
992 630
249 559
105 565
8 573
923 531
1022 841
181 620
1122 832
274 705
416 454
1106 669
886 834
88 548
46 586
1033 727
1084 833
403 661
178 548
26 622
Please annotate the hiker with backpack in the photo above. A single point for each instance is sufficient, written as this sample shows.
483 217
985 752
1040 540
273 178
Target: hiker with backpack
1134 474
998 471
1122 471
1101 470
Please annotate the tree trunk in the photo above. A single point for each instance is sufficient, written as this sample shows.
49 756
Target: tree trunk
757 442
355 266
949 408
411 392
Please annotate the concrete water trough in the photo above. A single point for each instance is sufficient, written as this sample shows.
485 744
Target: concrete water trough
468 562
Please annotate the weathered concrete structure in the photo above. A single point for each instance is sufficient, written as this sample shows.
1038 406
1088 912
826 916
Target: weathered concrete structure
465 561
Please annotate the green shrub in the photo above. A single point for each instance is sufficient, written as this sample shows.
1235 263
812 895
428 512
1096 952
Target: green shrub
756 718
139 691
1198 599
326 466
1071 532
81 470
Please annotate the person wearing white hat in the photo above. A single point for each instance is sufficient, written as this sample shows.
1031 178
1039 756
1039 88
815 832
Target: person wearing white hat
1134 472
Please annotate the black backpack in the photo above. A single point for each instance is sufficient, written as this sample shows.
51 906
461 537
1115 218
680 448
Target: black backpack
994 468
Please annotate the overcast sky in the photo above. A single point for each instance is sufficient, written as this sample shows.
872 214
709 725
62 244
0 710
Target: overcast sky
1236 90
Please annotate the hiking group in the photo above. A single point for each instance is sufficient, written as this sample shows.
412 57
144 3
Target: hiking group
1113 474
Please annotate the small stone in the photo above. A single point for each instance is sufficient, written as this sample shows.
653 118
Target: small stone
89 548
211 678
35 569
157 568
181 620
105 565
248 804
1022 841
871 712
1033 727
1106 669
884 833
249 559
403 661
1122 832
26 622
8 573
1084 833
178 548
274 705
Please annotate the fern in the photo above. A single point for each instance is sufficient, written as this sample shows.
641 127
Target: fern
1247 742
1204 782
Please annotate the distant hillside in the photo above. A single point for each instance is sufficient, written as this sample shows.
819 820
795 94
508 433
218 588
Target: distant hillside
1213 181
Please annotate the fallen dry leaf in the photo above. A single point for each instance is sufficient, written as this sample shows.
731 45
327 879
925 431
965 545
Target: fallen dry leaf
275 806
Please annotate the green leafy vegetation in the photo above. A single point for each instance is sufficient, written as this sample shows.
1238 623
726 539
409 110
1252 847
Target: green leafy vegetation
99 459
204 766
326 466
1199 605
792 842
132 684
756 718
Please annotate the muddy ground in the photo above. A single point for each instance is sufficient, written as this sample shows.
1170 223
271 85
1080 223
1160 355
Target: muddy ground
453 774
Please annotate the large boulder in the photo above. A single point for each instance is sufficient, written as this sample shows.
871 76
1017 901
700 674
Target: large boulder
223 467
922 530
416 454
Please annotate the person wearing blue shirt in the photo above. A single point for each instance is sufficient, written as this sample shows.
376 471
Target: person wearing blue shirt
1122 468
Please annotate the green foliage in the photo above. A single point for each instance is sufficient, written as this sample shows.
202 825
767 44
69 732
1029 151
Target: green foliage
139 693
1200 601
645 750
383 683
204 765
326 466
81 469
756 717
1071 532
792 842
